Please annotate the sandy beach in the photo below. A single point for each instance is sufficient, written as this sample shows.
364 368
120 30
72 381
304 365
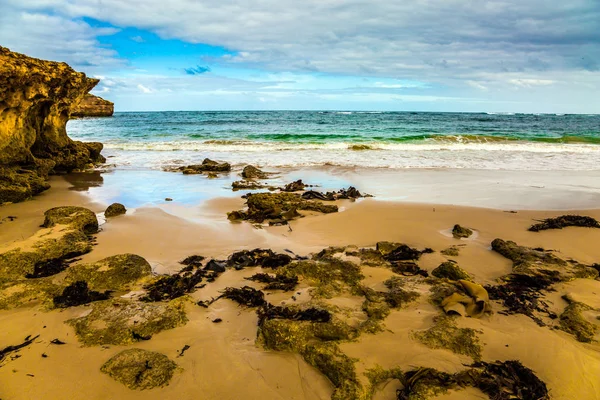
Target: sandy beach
226 360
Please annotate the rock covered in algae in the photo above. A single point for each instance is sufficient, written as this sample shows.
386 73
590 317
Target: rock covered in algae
251 172
140 369
115 209
444 334
28 291
573 321
119 272
542 263
329 276
452 251
121 322
79 218
460 232
207 166
450 270
278 206
45 258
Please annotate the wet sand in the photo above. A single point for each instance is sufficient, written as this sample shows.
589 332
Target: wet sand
224 362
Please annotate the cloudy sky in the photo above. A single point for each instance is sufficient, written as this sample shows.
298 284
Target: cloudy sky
430 55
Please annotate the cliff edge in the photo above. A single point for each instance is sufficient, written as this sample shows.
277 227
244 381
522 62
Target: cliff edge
93 106
36 97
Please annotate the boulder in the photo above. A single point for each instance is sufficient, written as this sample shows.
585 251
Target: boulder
115 209
79 218
251 172
120 272
460 232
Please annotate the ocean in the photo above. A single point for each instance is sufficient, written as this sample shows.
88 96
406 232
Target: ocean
390 140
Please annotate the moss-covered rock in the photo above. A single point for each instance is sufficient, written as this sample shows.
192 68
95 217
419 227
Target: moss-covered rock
46 257
328 276
460 232
140 369
28 292
122 322
446 335
78 218
115 209
120 272
452 251
574 322
541 263
450 270
279 206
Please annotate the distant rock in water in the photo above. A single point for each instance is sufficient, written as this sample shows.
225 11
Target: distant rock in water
37 97
93 106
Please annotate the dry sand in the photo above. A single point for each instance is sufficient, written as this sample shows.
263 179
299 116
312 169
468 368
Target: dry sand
223 361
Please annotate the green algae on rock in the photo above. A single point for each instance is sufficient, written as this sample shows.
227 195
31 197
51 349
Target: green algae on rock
114 210
539 262
574 322
450 270
45 258
79 218
278 206
119 272
460 232
444 334
140 369
452 251
122 322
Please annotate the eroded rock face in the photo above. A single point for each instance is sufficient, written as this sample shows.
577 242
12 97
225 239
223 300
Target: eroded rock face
93 106
36 97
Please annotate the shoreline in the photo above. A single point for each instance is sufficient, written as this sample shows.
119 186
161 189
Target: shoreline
166 232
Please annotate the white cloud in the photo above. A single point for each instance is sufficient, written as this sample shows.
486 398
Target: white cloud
144 89
528 83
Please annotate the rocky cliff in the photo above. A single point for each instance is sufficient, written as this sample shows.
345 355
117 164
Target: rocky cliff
93 106
36 97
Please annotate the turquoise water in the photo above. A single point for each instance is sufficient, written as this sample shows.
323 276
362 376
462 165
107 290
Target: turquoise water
349 139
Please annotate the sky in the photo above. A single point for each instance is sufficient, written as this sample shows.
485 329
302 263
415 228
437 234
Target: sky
534 56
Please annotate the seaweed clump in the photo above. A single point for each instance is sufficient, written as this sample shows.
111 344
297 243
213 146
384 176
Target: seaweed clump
564 221
276 282
265 258
444 334
500 380
77 294
140 369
